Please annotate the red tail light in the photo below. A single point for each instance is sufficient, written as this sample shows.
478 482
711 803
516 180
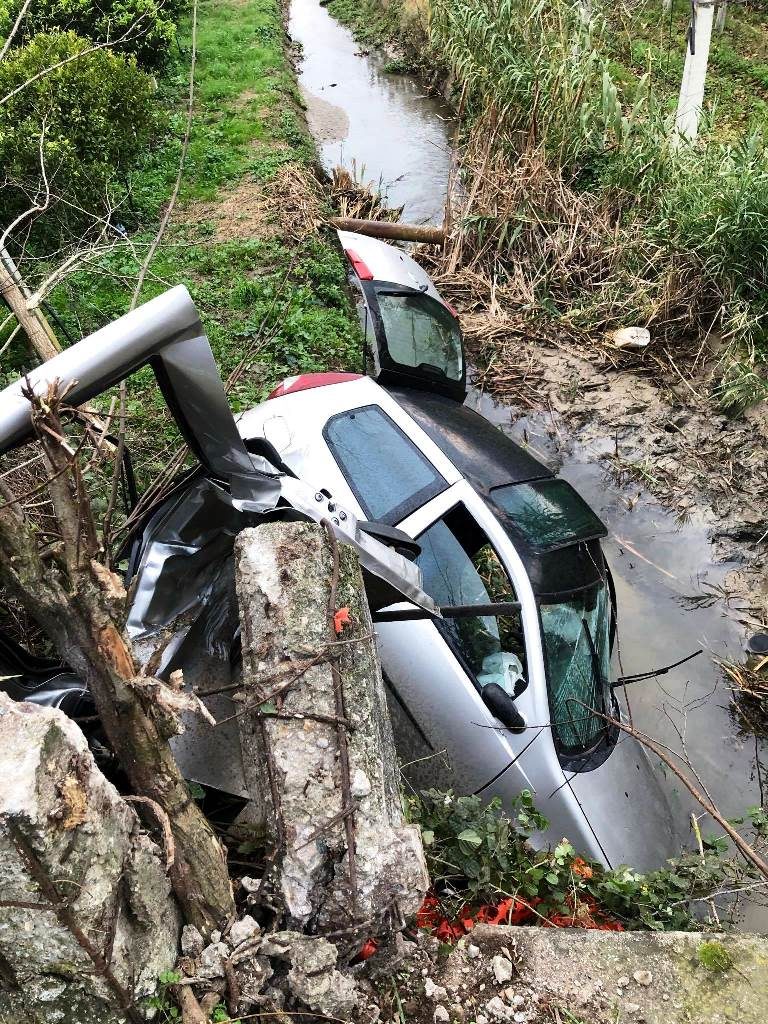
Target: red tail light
451 310
359 265
311 380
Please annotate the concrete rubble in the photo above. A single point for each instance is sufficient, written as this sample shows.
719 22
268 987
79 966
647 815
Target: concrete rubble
284 969
517 975
66 835
321 780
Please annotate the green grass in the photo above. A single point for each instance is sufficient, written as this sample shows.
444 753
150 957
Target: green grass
247 124
647 39
714 957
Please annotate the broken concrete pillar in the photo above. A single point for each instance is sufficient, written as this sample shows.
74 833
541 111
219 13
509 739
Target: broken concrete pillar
87 921
324 782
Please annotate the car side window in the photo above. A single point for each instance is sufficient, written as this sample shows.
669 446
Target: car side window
387 473
460 567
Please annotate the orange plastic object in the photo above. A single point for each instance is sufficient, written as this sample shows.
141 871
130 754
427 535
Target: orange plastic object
341 619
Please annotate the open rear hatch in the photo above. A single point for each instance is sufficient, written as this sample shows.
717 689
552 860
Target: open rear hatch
412 335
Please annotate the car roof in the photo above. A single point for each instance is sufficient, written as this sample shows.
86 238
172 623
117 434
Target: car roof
482 453
389 263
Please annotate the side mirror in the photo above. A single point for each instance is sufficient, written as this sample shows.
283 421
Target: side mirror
502 706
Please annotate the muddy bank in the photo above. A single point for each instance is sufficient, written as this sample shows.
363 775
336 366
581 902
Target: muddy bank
655 431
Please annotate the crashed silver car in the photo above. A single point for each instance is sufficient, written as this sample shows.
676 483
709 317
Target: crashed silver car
494 609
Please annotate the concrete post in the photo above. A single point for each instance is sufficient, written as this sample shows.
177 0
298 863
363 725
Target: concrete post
316 738
695 73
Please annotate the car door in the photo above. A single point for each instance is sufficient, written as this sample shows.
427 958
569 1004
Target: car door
435 672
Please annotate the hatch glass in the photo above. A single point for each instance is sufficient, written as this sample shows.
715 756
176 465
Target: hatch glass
421 334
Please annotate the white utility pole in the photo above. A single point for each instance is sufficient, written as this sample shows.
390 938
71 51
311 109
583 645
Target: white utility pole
695 73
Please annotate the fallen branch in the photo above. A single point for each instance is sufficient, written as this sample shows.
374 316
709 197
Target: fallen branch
388 229
747 851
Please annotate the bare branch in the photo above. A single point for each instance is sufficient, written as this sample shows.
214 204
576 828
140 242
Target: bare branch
15 29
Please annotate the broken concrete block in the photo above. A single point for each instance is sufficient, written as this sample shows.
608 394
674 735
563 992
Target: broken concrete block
192 942
315 982
294 749
87 911
244 928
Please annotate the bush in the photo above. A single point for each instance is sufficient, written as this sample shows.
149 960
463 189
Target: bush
100 20
477 854
95 117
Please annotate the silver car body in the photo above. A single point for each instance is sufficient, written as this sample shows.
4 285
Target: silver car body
447 737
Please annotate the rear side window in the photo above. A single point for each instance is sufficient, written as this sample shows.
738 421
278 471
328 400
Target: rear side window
548 513
387 473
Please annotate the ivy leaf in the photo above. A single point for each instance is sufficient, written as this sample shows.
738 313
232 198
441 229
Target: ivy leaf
470 837
428 837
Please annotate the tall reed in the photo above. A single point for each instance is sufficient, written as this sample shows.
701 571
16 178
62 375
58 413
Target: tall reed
574 187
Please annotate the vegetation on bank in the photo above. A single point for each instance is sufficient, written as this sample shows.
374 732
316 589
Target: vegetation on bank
243 235
482 867
371 21
578 209
670 237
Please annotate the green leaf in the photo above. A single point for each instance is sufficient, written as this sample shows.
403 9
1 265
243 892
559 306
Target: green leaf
470 837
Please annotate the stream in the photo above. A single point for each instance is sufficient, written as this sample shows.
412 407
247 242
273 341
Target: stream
667 580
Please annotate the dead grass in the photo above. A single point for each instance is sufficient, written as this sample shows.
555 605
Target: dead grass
288 207
749 683
530 257
352 196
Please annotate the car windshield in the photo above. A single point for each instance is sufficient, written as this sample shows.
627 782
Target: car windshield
577 650
421 333
460 567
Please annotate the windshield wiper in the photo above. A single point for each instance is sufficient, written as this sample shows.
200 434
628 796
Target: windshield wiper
594 657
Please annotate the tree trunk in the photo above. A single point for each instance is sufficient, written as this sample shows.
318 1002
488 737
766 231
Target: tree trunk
41 341
391 229
80 605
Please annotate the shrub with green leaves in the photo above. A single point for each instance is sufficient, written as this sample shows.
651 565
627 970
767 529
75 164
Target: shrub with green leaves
144 28
89 119
478 854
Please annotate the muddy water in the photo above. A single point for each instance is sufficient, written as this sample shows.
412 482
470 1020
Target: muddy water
382 124
666 578
670 603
